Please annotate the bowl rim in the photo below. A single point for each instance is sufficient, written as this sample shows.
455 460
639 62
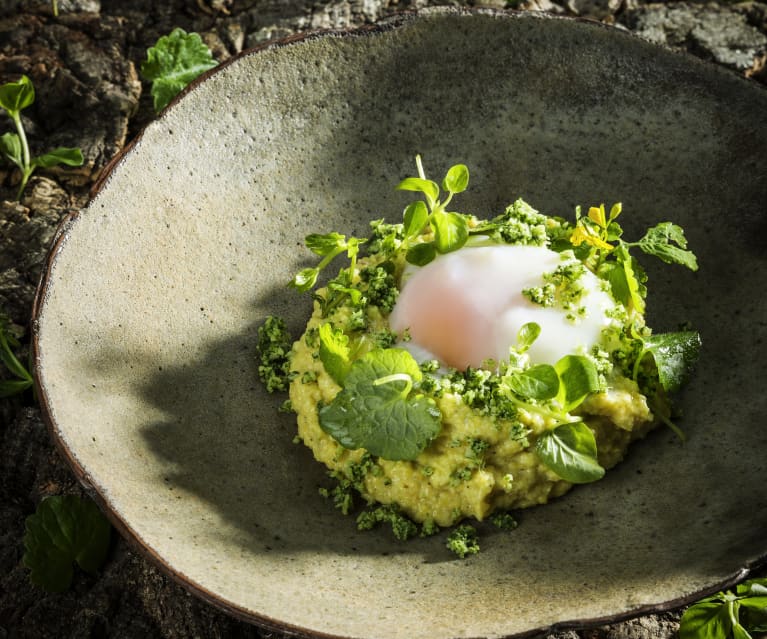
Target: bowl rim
124 529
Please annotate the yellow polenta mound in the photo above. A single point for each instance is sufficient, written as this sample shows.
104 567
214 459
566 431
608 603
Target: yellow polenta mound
455 476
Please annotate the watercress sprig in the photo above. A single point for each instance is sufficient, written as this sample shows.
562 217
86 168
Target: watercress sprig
608 255
327 246
14 98
451 230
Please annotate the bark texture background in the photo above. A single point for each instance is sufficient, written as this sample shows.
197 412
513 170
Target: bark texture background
84 67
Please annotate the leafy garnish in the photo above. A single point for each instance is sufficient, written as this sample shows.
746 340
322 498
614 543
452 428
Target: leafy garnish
667 241
609 257
539 382
335 354
327 246
728 614
377 410
451 230
63 531
674 354
579 378
173 62
14 97
570 450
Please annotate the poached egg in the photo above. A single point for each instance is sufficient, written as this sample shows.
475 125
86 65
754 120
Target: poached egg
467 306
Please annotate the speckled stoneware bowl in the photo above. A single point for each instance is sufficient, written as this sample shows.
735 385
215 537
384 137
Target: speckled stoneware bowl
145 324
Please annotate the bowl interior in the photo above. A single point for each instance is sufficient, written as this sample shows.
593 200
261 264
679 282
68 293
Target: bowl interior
146 321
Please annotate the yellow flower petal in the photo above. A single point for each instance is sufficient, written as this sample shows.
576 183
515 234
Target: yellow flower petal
598 215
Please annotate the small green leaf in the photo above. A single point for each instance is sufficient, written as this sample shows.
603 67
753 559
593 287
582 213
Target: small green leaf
570 450
421 254
335 354
64 530
15 96
579 378
667 241
10 147
173 62
371 412
675 355
450 231
457 179
330 243
632 274
539 382
527 336
615 274
60 155
414 218
427 187
706 620
305 279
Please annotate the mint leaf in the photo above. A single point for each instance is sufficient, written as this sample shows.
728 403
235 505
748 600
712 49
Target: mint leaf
15 96
63 531
334 352
61 155
173 62
578 377
667 241
376 411
675 355
570 450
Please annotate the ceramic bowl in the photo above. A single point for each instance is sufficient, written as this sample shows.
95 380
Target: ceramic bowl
145 323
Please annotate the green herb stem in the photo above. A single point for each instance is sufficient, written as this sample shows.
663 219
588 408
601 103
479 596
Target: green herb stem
27 168
397 377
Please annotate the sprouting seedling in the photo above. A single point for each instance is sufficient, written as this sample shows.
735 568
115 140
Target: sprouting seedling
450 229
15 97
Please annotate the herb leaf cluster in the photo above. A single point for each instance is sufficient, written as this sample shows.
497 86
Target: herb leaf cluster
14 98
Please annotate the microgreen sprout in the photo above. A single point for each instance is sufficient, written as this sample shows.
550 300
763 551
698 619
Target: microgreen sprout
327 246
451 230
14 98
